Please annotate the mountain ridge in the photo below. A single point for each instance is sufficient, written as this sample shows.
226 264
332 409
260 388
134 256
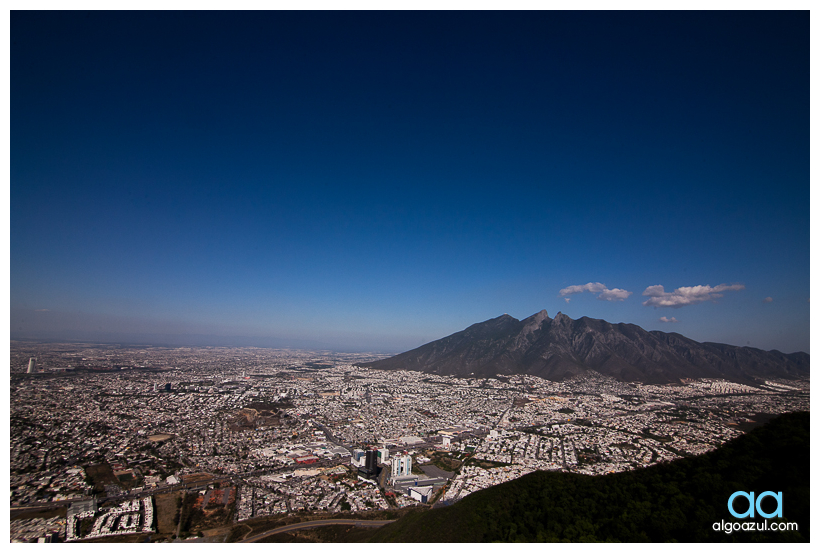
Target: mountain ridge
562 347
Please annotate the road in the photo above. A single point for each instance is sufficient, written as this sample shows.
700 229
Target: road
316 524
328 434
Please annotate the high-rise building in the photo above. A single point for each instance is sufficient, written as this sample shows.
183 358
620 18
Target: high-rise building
384 453
370 460
401 466
369 469
30 365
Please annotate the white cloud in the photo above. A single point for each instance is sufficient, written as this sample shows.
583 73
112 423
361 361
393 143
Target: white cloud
768 300
687 295
656 290
604 293
593 287
665 320
616 294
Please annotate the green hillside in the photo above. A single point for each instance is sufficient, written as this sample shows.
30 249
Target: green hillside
677 501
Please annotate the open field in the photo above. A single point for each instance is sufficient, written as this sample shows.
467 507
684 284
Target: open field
197 478
101 475
166 511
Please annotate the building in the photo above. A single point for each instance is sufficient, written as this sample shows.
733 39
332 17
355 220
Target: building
337 450
384 454
445 442
370 469
31 365
371 460
401 466
357 458
421 493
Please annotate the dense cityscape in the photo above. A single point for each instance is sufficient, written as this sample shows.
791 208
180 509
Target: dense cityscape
120 437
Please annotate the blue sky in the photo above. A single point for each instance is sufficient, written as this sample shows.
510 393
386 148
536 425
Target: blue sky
375 181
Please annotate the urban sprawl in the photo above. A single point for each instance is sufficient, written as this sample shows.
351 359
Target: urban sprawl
108 431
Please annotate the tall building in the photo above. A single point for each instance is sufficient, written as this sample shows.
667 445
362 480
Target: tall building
369 469
384 453
401 466
30 365
370 460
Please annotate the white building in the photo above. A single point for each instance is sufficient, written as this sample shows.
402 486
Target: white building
421 493
401 466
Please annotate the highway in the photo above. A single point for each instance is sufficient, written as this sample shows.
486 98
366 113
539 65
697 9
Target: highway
316 524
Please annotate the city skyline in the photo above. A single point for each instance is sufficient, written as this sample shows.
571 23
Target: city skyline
379 180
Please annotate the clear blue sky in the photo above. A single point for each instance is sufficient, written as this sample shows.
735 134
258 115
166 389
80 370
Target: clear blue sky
380 180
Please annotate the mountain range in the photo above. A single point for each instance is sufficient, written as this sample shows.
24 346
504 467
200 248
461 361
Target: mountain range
560 348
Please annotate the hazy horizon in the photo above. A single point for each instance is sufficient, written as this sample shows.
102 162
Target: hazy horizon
374 181
176 339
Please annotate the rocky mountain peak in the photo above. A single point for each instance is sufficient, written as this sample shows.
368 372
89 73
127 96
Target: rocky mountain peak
562 319
534 322
561 348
